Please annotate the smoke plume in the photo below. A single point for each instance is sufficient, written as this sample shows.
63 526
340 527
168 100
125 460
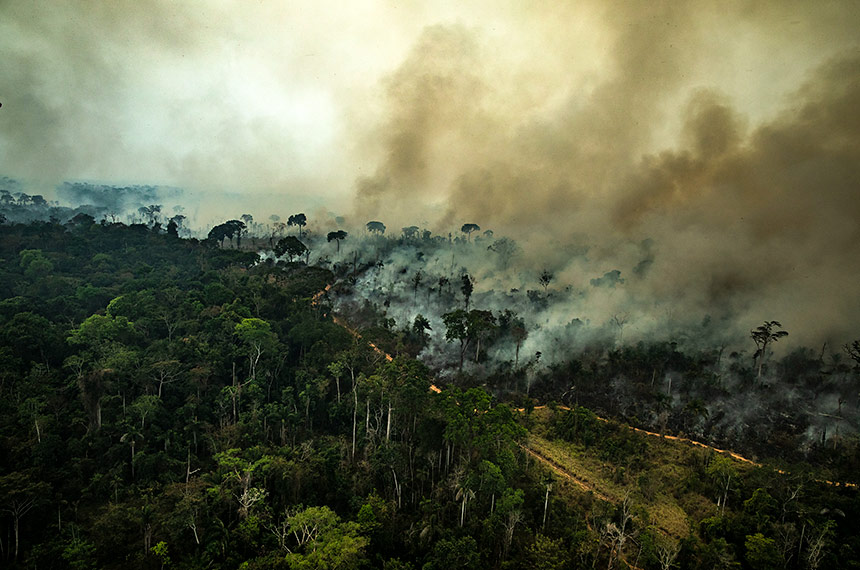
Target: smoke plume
723 136
747 195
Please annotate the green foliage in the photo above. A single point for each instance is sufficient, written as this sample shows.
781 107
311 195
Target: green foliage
324 541
80 554
546 554
160 552
291 247
454 554
168 403
97 332
762 553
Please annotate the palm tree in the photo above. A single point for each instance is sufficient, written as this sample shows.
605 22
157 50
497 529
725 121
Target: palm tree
131 435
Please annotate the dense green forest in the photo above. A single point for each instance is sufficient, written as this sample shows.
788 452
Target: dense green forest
175 403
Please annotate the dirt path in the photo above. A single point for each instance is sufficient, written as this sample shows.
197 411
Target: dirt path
561 470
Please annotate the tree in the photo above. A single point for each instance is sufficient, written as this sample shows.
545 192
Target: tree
667 551
853 351
722 472
237 476
616 535
818 542
545 279
469 228
457 329
151 213
375 227
619 320
337 237
454 554
290 246
229 229
165 372
299 220
420 325
145 405
444 282
410 232
481 324
175 224
416 282
320 540
546 553
762 553
257 336
511 511
278 228
468 285
762 336
468 327
160 552
505 248
248 220
131 435
20 492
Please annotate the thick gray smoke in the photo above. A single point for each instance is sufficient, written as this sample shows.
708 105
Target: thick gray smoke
750 210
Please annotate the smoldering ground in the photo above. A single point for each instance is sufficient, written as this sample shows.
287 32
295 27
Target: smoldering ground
599 341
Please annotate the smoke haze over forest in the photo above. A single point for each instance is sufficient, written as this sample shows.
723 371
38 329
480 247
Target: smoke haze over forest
709 152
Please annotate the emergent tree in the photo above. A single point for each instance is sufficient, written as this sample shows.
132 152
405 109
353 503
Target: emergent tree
762 336
337 236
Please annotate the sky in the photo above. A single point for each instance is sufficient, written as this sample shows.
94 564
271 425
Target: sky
725 133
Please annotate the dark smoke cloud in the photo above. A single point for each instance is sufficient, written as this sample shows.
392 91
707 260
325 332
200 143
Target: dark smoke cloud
749 196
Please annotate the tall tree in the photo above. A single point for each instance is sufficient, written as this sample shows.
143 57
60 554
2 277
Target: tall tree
545 279
228 230
337 237
456 323
505 248
762 336
20 492
467 286
291 247
375 227
257 337
299 220
469 228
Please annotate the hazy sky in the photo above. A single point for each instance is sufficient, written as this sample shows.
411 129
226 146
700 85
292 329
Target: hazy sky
727 132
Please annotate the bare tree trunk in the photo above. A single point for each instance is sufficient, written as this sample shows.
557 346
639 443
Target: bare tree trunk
388 426
193 526
546 504
15 524
354 417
